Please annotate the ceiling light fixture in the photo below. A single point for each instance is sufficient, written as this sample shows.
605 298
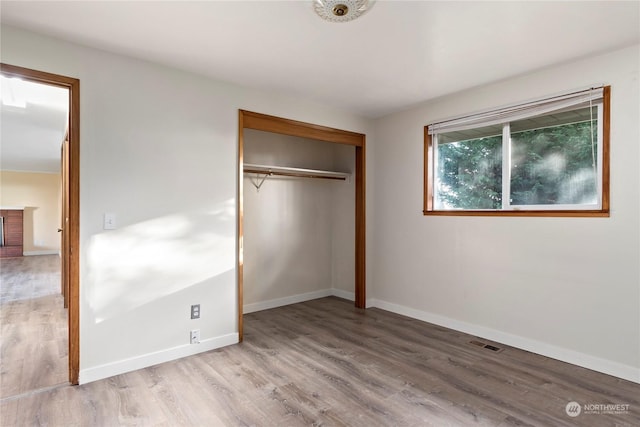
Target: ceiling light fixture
341 10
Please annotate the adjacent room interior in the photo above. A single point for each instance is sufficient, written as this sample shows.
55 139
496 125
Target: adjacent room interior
417 213
32 302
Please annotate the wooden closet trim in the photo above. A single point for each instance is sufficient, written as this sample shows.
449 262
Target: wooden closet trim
290 127
73 85
267 123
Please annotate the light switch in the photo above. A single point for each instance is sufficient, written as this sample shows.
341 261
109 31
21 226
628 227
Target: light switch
109 221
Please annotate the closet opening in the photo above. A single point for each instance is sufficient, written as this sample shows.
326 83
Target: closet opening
301 198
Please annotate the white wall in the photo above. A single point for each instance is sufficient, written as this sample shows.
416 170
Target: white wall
565 287
299 233
159 149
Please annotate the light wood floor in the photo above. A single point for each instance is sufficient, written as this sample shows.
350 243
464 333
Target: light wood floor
324 363
33 325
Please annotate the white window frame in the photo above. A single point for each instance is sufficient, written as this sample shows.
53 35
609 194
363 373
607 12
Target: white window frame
541 107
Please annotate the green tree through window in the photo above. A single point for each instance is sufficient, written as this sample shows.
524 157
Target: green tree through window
549 157
470 174
555 165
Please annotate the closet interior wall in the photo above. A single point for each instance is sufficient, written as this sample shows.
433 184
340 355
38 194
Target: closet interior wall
299 233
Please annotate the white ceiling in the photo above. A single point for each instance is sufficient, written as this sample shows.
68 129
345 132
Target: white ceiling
34 123
398 54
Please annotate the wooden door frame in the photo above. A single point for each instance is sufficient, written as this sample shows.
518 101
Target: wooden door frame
64 226
73 85
273 124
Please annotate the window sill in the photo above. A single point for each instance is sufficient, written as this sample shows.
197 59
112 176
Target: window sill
529 213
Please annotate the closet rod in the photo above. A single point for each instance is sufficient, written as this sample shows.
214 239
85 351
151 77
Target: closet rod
294 172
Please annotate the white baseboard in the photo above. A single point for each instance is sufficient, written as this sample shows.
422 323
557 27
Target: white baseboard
279 302
351 296
45 252
605 366
150 359
294 299
143 361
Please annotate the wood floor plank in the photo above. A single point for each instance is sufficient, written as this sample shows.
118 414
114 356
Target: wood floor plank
324 363
33 323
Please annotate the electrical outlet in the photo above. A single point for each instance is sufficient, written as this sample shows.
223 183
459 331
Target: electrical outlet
195 336
195 311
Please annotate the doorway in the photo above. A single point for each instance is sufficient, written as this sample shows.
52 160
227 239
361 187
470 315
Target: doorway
266 123
70 186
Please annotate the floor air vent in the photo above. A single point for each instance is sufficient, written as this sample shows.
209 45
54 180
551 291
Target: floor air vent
487 346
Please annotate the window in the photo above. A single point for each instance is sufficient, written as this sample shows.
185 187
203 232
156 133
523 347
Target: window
545 158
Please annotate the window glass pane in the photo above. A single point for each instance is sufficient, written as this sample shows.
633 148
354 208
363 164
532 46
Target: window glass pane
554 159
469 169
